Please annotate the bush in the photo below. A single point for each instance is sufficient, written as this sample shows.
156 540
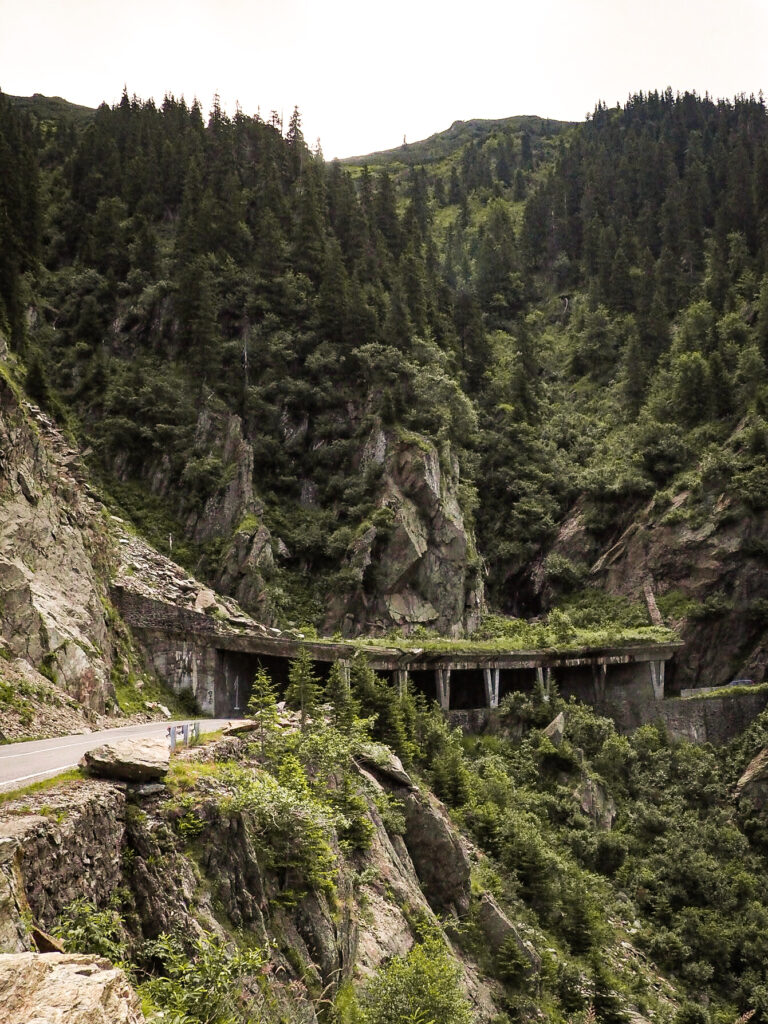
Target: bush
424 985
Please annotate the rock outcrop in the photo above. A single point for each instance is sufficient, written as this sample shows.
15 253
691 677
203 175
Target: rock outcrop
713 562
131 760
65 988
89 841
753 783
54 548
415 564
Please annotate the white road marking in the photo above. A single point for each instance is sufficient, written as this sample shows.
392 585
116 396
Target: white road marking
36 775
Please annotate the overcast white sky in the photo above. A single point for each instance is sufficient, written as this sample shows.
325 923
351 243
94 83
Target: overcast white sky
364 75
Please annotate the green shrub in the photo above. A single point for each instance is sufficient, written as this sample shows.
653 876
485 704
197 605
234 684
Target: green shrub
424 986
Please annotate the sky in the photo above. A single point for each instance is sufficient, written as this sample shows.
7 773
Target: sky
367 75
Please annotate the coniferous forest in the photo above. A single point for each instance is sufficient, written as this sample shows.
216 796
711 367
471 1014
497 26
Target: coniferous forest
557 335
579 313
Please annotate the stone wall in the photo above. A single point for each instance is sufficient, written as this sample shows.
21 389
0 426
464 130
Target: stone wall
714 720
709 720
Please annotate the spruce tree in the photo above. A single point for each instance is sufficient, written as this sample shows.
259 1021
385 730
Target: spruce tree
303 687
338 694
262 705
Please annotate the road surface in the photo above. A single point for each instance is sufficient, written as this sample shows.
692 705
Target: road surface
21 764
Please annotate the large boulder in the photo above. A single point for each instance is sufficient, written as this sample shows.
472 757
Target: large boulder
437 852
499 930
132 760
384 764
65 988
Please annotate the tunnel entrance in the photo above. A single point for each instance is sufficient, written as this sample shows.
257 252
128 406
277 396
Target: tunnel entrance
235 674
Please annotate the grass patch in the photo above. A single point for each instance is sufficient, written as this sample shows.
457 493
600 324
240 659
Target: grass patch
71 775
726 691
132 698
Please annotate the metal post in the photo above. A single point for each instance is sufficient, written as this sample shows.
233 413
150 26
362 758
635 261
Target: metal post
172 737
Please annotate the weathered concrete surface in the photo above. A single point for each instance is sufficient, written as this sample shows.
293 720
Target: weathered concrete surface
65 988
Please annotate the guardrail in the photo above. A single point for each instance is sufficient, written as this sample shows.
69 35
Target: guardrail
188 731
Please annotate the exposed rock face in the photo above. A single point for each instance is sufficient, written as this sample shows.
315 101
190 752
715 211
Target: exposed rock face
53 552
753 784
555 731
232 514
595 802
437 852
139 760
416 565
498 930
65 988
91 843
718 558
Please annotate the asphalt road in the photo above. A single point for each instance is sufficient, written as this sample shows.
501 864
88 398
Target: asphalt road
21 764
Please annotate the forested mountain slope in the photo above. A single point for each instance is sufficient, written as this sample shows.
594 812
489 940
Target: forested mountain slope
363 397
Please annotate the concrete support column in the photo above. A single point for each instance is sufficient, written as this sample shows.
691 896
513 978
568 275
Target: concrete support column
491 677
599 673
544 675
401 678
344 666
443 683
657 678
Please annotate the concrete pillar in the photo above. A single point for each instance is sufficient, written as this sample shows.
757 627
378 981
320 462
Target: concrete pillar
657 678
237 695
544 676
401 678
599 673
172 737
443 682
345 669
491 677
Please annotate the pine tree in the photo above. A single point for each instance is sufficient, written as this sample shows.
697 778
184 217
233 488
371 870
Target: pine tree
303 687
262 705
338 694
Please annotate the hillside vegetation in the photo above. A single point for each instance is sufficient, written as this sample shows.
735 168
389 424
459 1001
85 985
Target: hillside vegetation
570 322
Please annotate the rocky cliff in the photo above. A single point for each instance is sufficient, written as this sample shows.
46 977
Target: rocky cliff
705 567
194 858
54 549
415 563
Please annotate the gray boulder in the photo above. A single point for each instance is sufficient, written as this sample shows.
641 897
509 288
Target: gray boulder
497 929
65 988
132 760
